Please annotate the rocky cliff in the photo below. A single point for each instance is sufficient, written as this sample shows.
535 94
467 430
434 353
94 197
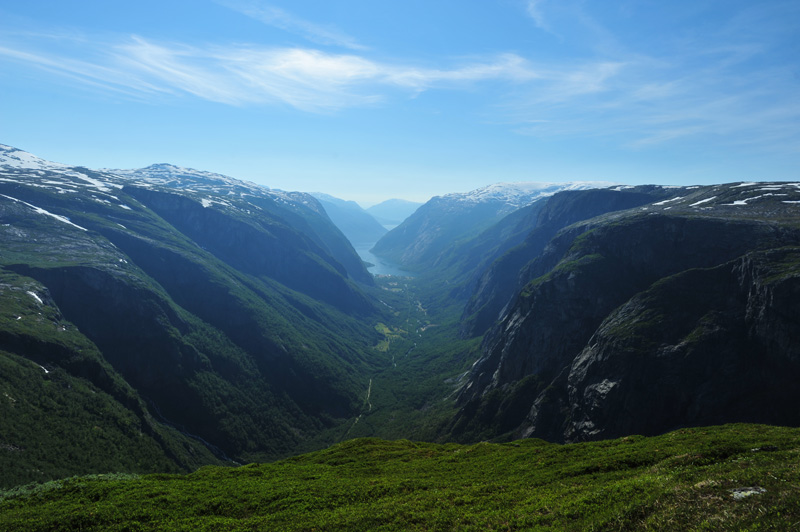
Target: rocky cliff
644 320
706 346
497 281
423 239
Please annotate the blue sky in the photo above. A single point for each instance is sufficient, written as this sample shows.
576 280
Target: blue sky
372 99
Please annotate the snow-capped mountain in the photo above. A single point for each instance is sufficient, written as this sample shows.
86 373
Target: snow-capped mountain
418 242
173 296
513 196
234 197
11 158
200 181
209 187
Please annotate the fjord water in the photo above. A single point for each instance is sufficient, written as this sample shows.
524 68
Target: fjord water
379 266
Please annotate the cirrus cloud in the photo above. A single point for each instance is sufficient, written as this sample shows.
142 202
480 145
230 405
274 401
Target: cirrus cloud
305 78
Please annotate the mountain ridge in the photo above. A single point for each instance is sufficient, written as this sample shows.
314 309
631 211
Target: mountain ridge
216 320
223 307
358 225
418 242
591 268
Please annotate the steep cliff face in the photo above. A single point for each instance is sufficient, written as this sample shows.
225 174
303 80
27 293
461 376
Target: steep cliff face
461 261
261 245
703 347
565 329
249 202
63 407
497 283
423 239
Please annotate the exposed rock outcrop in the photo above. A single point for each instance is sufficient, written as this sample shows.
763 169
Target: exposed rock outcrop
645 322
706 346
499 281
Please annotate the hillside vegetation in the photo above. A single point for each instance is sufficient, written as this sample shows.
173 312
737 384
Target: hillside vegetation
734 477
169 318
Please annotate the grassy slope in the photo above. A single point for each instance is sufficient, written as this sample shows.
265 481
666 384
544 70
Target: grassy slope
62 408
254 407
679 481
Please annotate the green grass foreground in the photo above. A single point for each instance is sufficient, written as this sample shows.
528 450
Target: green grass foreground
684 480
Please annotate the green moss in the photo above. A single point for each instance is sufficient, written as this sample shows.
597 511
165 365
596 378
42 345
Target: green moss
683 480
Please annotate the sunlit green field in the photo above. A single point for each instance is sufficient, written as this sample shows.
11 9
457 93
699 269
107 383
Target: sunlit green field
691 479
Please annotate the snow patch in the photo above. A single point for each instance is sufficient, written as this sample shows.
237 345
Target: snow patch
99 185
517 195
668 201
744 201
14 158
703 201
35 296
39 210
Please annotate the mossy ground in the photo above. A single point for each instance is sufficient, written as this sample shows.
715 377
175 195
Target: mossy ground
683 480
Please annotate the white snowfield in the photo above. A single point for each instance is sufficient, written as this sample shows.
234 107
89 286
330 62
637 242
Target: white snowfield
14 158
39 210
518 195
220 191
712 198
671 200
207 188
173 176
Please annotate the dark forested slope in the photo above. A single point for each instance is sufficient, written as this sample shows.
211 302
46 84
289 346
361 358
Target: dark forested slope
189 302
672 314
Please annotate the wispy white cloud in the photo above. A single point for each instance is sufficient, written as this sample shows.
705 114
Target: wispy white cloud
731 86
695 86
534 9
508 67
305 78
282 19
638 105
92 74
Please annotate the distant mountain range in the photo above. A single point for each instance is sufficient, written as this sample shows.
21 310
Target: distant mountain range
392 212
356 223
164 318
615 310
419 242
